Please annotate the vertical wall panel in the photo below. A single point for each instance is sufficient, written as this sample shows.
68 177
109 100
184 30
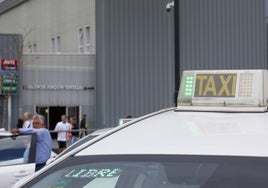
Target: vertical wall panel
134 58
135 52
11 48
222 34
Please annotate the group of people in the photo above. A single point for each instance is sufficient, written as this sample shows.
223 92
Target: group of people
28 124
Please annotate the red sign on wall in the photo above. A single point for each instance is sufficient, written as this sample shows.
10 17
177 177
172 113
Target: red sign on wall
9 64
9 77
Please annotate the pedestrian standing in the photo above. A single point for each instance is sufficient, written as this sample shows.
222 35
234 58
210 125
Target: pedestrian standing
83 125
44 140
75 129
62 128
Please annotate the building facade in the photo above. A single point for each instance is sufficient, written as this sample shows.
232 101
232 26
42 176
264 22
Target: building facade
59 84
47 26
141 49
58 64
135 58
140 56
222 34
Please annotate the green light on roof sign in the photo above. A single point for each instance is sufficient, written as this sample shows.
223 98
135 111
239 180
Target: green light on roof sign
188 86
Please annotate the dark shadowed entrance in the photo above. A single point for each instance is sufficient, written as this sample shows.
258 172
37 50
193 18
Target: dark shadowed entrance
55 113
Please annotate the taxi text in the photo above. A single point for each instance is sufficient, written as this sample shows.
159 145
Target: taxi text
215 85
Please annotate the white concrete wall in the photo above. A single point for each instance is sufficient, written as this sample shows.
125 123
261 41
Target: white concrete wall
39 20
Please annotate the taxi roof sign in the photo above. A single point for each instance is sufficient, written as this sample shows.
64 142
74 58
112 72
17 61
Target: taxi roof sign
224 88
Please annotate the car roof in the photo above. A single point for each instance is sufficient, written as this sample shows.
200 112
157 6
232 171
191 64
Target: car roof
3 132
83 140
189 133
100 131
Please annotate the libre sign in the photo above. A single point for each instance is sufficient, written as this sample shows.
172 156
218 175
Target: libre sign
9 76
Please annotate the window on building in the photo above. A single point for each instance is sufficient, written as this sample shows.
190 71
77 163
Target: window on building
34 49
30 48
84 40
55 42
81 40
58 44
87 39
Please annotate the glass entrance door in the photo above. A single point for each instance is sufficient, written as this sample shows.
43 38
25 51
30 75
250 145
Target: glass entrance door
53 114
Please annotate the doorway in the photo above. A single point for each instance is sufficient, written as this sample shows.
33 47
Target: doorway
55 113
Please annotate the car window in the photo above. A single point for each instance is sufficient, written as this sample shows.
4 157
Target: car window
18 149
161 171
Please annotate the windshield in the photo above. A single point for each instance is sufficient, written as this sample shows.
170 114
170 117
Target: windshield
160 171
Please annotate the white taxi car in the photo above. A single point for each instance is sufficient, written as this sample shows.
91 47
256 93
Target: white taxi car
17 157
216 137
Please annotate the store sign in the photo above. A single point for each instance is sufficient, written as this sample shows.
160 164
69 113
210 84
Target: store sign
9 77
9 64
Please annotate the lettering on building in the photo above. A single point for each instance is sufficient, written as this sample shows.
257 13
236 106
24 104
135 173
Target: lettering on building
52 87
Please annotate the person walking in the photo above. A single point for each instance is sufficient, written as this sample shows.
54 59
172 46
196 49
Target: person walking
83 125
75 129
44 141
62 128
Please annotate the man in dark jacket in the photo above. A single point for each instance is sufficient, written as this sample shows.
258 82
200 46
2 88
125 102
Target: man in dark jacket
83 125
